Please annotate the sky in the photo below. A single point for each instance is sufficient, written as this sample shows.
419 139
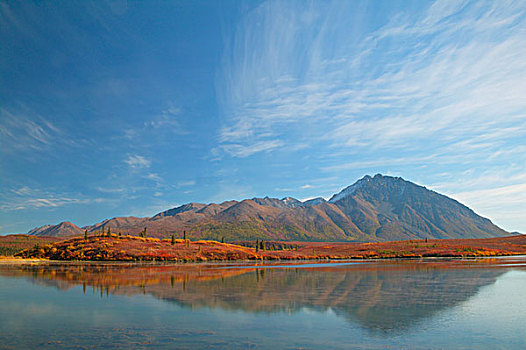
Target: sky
116 108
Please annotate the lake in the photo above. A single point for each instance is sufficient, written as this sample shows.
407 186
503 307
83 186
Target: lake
424 304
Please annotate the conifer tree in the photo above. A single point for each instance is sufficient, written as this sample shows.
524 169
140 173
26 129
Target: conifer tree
173 239
85 235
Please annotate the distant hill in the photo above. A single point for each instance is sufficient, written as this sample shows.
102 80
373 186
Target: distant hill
379 208
64 229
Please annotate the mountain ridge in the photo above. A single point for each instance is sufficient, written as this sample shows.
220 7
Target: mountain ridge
378 208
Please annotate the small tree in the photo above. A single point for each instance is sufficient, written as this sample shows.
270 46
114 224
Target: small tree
173 239
262 245
102 232
85 235
257 245
184 235
109 231
222 239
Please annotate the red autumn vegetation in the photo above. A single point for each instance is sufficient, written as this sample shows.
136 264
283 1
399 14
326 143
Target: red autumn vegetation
132 248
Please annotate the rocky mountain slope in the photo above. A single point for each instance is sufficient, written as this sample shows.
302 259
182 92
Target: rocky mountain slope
379 208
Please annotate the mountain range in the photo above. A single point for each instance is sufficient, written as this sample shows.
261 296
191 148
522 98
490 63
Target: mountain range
379 208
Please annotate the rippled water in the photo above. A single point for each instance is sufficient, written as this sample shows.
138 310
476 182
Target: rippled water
442 304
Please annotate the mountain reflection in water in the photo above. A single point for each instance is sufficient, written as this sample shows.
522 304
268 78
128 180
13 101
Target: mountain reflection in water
381 296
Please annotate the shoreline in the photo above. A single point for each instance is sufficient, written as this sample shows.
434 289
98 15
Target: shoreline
139 249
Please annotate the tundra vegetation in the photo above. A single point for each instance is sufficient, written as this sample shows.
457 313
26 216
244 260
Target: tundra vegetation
114 247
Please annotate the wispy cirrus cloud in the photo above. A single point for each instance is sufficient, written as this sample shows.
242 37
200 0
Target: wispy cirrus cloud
243 150
187 183
24 197
136 161
504 204
296 73
168 119
154 177
26 131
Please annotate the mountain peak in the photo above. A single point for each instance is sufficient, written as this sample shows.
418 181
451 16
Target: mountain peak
368 180
347 191
181 209
291 202
62 229
66 224
286 202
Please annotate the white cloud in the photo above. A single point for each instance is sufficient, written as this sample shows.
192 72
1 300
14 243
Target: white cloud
454 74
242 151
29 198
167 120
513 194
154 177
110 190
186 183
24 190
27 131
52 202
137 162
504 205
163 121
130 134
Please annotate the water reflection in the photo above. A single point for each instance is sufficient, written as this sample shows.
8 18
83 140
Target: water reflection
383 297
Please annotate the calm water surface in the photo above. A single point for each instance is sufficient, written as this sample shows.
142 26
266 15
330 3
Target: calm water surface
429 304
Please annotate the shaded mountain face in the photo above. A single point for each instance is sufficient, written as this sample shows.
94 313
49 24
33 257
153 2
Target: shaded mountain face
379 208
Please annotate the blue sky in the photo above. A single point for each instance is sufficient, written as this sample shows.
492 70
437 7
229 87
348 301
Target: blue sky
129 108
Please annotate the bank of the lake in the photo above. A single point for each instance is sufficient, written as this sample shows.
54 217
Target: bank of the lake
133 248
